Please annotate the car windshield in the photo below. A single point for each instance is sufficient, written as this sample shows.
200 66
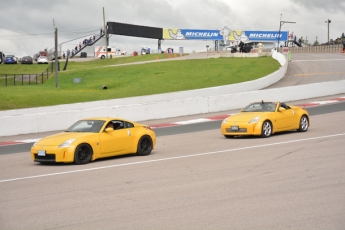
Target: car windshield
260 107
86 126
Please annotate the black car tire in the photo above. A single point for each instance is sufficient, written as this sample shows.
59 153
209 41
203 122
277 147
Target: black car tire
82 154
229 136
144 146
303 124
266 129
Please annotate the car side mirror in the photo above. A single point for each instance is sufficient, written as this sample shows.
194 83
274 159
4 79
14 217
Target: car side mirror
281 109
109 129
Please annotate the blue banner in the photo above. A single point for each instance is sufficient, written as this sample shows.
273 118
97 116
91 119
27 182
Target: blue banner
202 34
267 35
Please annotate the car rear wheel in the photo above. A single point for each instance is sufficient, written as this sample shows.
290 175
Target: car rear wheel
228 136
82 154
303 124
102 57
144 146
266 129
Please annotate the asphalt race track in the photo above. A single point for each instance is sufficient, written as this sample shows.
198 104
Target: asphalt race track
194 179
307 68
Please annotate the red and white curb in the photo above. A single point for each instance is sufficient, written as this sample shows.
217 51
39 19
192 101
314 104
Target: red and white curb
18 142
333 100
192 121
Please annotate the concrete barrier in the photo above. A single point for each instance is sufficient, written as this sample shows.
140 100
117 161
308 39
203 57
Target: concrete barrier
336 48
216 99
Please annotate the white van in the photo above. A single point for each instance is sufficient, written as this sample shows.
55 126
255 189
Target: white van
101 52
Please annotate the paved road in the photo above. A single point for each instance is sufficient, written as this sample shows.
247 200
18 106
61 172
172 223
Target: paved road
313 68
194 180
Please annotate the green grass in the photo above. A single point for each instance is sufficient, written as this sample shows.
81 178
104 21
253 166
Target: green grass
133 80
22 69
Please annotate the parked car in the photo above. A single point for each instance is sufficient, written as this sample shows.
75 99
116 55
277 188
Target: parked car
10 59
42 60
93 138
26 60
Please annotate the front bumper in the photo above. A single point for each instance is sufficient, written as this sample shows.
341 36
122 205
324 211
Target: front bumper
243 128
53 154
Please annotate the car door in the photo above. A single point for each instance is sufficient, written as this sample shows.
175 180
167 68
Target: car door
284 118
114 142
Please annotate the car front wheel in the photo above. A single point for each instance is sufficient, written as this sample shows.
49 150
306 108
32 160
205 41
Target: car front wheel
144 146
82 154
303 124
266 129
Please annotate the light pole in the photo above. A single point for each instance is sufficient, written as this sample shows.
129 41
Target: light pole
280 26
328 21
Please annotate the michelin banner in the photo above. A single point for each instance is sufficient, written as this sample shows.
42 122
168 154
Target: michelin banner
225 35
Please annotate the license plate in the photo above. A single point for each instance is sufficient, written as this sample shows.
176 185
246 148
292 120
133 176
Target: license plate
41 153
235 128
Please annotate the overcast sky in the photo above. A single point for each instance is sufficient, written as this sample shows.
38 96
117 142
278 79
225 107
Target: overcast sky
27 26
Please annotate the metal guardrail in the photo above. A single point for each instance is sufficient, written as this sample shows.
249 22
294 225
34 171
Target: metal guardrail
27 79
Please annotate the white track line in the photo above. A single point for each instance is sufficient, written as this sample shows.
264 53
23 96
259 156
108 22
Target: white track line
170 158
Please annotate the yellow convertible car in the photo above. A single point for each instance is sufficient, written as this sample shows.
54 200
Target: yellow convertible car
93 138
265 118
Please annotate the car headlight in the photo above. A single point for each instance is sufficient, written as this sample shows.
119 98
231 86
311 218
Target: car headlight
254 120
66 143
225 120
36 142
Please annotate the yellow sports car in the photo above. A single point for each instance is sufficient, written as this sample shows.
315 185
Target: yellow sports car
265 118
93 138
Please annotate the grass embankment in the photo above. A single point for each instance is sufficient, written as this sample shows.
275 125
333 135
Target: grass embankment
133 80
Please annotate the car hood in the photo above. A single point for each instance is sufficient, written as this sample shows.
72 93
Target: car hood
246 116
59 138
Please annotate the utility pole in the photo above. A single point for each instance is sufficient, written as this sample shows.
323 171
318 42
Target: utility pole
328 21
106 35
56 59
